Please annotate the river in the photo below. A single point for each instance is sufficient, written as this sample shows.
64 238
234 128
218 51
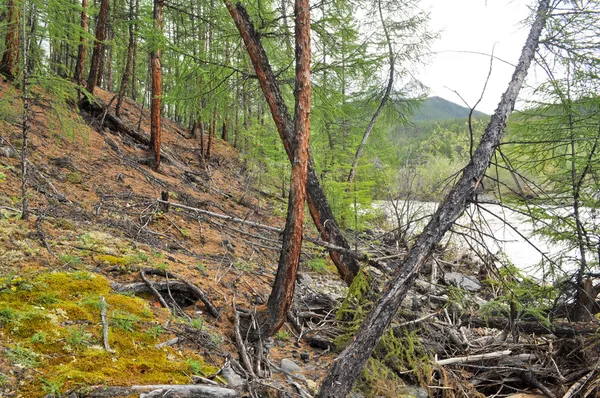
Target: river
502 230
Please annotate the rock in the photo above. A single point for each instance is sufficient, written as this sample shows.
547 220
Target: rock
8 152
233 379
462 281
289 366
354 394
425 287
304 279
413 392
305 356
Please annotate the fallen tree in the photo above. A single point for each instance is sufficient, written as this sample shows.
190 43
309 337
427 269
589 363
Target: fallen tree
351 361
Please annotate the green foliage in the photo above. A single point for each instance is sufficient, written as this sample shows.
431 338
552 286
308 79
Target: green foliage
155 331
22 356
124 320
522 295
194 366
317 264
197 323
282 335
70 259
74 177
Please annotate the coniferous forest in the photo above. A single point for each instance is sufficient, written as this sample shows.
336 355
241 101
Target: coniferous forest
261 198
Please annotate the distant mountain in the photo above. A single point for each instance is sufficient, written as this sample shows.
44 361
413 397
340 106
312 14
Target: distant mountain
436 108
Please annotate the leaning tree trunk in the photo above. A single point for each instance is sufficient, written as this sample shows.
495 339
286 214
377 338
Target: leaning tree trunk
318 205
350 362
98 47
80 65
282 294
382 104
10 58
155 133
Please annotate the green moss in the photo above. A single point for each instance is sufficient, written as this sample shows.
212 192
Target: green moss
52 323
74 178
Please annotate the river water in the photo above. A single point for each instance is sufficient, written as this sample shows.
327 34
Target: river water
503 231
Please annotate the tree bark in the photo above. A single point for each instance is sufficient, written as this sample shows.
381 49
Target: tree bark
382 104
282 294
351 361
98 47
80 65
318 205
155 127
134 60
10 58
127 71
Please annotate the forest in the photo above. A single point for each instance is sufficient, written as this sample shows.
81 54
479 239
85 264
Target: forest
260 198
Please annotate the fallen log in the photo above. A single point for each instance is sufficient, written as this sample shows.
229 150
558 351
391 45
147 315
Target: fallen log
160 390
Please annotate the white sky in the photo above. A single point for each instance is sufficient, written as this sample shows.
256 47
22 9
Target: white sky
474 25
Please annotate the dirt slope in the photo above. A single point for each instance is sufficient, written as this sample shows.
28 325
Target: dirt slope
96 222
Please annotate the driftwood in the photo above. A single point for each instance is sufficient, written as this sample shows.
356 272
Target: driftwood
183 390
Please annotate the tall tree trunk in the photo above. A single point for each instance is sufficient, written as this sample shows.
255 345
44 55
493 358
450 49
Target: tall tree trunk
318 205
98 47
127 71
134 56
282 294
10 58
80 65
155 133
25 127
211 133
382 104
350 362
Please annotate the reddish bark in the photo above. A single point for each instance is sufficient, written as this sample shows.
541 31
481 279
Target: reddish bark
127 71
155 127
282 294
80 65
98 47
318 205
10 58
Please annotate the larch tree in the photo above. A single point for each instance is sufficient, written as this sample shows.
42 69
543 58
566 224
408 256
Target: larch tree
282 293
128 63
155 105
10 57
97 55
318 204
351 361
80 65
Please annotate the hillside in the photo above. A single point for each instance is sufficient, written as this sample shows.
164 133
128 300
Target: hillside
437 108
97 230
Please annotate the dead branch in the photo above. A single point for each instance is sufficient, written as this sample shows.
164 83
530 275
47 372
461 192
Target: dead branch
239 342
103 306
195 289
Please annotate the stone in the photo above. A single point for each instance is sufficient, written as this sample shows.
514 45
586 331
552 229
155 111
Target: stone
232 378
305 356
8 152
462 281
290 366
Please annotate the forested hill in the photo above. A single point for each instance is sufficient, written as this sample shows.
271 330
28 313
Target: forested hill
437 108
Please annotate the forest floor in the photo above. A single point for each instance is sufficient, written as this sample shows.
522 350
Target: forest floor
77 317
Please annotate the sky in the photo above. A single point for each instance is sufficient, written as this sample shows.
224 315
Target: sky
474 26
